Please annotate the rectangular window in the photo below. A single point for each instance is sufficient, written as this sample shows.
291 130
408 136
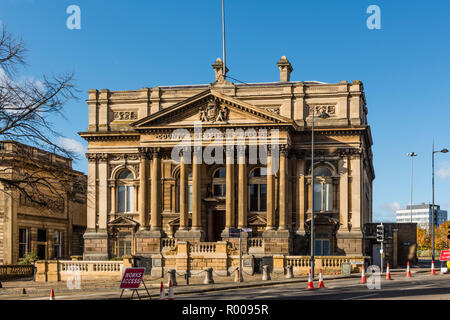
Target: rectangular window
121 199
57 244
253 197
219 190
130 199
262 197
24 242
322 248
42 235
124 245
190 198
317 197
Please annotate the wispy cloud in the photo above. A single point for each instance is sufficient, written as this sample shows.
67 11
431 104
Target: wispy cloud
391 206
72 145
444 171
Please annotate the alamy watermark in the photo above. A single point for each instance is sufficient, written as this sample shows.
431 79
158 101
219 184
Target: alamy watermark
74 20
374 20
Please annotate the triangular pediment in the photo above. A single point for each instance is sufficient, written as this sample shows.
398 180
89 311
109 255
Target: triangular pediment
123 222
211 108
257 221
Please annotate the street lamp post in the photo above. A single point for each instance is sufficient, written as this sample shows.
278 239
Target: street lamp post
412 155
323 115
432 205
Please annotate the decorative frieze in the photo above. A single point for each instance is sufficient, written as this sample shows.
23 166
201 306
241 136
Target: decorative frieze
124 115
320 108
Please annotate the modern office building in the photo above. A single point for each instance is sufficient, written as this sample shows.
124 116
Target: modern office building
421 214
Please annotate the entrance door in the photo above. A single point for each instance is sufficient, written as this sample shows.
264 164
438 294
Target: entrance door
218 222
41 251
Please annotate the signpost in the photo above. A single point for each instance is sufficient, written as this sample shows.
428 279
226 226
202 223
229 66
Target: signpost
234 233
131 280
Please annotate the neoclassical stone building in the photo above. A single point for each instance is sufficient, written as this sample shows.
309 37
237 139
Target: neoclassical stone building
143 196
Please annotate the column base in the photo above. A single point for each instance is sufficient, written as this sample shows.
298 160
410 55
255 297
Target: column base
95 245
190 235
148 242
277 241
350 243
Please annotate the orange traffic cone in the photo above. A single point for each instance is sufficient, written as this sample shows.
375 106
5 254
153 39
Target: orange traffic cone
52 295
162 294
388 273
408 271
310 282
363 275
321 284
170 294
433 272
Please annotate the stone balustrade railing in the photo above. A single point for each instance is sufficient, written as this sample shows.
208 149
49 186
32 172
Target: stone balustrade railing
15 271
203 247
168 243
255 242
328 264
62 270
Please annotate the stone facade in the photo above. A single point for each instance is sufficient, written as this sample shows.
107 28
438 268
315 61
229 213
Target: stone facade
142 196
51 230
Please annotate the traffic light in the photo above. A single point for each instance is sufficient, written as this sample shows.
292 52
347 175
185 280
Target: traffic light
380 233
448 231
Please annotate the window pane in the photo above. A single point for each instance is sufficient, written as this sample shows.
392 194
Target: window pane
130 199
328 197
262 197
253 197
42 235
121 199
22 235
56 237
318 248
318 197
322 172
126 174
326 247
221 173
219 190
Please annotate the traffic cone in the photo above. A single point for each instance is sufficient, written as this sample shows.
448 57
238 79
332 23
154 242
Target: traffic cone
321 284
408 271
162 294
170 294
310 282
433 272
52 295
388 273
363 275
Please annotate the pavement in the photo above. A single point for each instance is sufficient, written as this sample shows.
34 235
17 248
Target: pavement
12 290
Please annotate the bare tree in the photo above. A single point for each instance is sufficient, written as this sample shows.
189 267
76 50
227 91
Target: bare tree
25 109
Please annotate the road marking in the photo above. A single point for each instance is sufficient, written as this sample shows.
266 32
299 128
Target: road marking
364 296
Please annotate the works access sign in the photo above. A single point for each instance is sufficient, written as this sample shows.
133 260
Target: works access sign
132 278
445 255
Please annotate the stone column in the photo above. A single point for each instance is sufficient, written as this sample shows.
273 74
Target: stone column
196 184
143 188
156 190
301 196
183 193
91 201
229 188
356 193
343 193
103 191
270 193
283 189
113 199
242 188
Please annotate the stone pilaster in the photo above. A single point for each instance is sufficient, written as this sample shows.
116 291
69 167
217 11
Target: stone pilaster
242 188
143 188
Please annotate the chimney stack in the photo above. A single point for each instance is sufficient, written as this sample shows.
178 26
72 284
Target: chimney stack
285 69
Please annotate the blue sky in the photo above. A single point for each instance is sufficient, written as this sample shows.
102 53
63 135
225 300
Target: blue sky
405 66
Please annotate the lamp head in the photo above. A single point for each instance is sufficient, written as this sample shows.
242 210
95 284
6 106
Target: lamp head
324 115
444 150
412 154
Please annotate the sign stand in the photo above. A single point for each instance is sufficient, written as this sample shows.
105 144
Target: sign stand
131 280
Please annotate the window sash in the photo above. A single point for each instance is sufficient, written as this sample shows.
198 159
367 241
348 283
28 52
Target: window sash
125 198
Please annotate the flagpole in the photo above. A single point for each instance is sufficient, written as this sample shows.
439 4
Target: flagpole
223 38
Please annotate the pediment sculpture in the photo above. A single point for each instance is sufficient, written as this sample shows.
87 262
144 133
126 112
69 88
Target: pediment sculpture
214 112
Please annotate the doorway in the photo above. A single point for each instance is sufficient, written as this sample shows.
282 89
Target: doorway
41 251
218 224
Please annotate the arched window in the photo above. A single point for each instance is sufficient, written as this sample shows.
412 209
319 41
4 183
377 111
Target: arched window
125 191
177 191
219 182
258 189
323 189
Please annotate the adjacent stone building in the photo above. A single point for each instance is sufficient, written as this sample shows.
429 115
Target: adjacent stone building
145 198
49 217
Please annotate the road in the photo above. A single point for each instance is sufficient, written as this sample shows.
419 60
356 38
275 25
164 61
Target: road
420 287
